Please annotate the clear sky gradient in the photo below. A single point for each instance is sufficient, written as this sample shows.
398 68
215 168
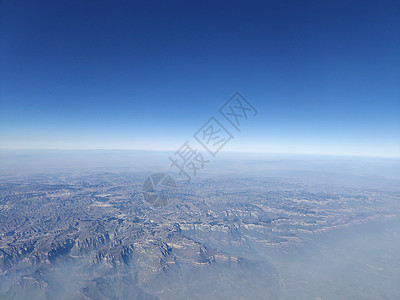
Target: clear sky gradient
323 75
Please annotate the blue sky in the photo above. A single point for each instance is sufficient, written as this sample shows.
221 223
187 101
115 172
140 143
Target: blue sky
323 75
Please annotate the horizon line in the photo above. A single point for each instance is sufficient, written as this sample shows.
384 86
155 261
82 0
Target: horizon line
226 151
